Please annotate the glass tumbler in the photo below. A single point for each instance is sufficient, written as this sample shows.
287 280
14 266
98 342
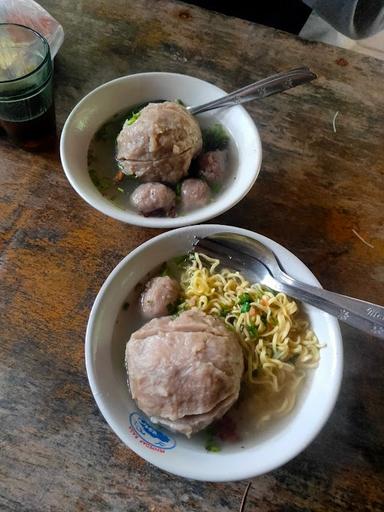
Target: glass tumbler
27 112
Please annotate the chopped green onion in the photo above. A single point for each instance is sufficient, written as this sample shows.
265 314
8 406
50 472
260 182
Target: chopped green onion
215 187
215 138
244 297
172 308
164 270
178 189
211 447
134 117
245 307
120 190
181 306
224 311
253 331
181 260
102 183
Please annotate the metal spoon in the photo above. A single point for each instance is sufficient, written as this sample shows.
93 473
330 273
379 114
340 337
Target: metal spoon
252 257
260 89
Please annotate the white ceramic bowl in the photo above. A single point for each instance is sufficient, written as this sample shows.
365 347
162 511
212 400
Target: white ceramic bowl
121 94
104 349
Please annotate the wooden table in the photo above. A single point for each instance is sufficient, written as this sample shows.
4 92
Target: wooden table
318 192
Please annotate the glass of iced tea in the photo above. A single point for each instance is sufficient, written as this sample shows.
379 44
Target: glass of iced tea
27 112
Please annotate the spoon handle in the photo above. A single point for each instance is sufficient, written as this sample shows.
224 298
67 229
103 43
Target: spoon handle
261 89
363 315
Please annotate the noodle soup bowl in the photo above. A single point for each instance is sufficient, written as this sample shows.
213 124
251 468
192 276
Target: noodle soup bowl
258 451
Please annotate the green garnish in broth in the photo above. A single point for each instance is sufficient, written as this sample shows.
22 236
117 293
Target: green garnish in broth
215 138
211 447
130 177
211 444
178 189
101 182
175 266
215 187
134 117
172 308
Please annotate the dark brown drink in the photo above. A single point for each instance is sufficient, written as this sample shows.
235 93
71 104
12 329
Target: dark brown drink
34 135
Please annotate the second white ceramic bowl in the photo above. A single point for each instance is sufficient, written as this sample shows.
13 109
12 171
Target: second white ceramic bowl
123 93
112 321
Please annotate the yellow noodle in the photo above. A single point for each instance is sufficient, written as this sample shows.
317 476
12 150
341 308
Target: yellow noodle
277 347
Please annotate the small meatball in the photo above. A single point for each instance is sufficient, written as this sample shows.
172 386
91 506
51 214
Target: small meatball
160 293
194 193
212 166
154 199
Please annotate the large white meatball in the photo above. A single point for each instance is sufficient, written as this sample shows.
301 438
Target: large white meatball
160 144
184 372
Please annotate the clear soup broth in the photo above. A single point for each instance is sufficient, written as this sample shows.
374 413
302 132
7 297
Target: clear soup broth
103 166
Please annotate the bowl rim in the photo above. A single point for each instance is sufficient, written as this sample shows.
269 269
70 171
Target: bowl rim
162 463
154 222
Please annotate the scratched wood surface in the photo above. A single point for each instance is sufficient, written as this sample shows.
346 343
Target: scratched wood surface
316 186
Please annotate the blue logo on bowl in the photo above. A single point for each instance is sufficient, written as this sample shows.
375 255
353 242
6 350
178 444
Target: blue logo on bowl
149 433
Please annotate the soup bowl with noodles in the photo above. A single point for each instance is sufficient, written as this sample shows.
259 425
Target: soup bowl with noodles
278 363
